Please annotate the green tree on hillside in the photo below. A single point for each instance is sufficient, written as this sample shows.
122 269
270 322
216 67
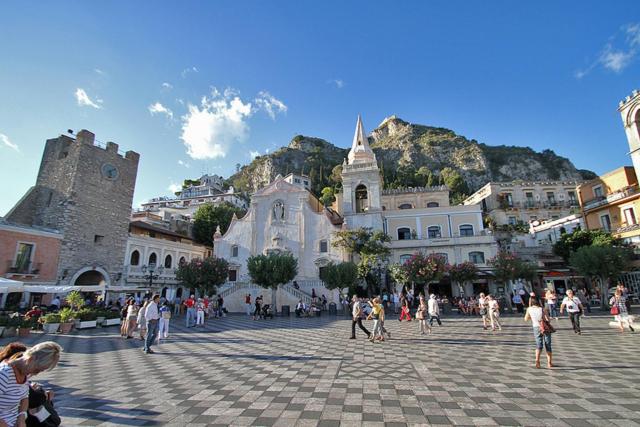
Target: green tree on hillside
208 217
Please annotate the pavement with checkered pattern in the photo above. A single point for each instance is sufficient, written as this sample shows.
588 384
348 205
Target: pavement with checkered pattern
306 372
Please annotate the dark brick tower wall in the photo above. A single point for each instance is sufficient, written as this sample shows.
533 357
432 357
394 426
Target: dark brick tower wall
78 193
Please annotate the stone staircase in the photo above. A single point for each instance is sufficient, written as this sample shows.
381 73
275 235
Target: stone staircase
234 294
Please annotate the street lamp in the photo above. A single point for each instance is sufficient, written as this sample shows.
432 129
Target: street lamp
151 268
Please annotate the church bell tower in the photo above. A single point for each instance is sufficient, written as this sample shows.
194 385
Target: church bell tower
361 184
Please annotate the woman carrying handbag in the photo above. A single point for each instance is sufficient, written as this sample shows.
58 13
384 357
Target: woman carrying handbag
618 305
542 330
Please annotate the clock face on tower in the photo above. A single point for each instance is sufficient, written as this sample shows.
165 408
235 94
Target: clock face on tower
109 171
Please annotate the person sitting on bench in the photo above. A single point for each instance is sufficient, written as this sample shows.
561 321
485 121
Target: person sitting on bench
300 309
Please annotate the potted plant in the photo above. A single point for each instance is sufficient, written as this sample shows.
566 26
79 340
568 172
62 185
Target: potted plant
75 300
101 317
11 330
87 318
112 318
67 317
50 323
25 326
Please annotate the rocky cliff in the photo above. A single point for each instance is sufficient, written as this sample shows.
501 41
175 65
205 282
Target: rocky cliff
408 153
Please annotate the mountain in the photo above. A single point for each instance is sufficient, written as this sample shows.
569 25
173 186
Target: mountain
410 155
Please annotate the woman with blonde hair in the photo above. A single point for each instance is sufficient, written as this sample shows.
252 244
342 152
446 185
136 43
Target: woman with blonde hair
14 384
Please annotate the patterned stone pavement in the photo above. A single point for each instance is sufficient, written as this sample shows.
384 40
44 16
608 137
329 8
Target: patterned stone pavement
306 372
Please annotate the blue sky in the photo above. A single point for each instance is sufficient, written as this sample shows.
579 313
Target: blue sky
199 86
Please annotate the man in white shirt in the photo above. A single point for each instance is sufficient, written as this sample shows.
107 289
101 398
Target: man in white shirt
356 312
152 316
574 308
434 310
56 302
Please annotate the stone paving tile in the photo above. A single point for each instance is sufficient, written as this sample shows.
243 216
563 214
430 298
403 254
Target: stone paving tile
306 372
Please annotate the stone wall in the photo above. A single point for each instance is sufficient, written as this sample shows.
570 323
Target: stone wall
76 196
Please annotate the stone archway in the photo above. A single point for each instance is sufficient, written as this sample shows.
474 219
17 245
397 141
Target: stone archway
88 276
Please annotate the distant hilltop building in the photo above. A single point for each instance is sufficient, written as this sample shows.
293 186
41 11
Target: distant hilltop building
207 189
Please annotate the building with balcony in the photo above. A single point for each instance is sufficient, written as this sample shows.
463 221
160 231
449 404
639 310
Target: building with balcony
29 255
611 202
152 255
209 189
518 202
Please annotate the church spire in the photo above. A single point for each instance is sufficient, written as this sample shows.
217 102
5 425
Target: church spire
360 151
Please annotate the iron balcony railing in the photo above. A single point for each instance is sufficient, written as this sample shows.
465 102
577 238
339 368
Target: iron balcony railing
610 198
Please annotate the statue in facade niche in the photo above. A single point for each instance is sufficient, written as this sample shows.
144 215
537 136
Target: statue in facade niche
278 211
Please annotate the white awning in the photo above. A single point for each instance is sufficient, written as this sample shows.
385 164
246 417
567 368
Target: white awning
8 285
52 289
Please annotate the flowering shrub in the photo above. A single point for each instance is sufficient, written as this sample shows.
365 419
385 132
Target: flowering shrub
423 269
205 275
460 273
507 266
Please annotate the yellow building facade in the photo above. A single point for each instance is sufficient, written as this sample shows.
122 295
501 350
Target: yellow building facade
611 202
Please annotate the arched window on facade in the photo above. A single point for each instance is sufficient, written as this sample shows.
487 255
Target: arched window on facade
466 230
404 258
434 232
404 233
234 251
135 258
153 258
167 261
433 204
476 257
405 206
182 261
362 199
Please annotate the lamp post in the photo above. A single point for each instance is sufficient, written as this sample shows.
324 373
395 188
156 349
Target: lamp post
151 268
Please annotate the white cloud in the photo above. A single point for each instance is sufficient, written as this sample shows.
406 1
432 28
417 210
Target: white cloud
188 71
4 139
158 108
210 129
84 101
167 86
338 82
99 71
254 154
616 58
633 34
173 187
186 165
270 104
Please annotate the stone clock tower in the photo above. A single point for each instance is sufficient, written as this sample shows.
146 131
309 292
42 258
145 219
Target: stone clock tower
84 191
361 184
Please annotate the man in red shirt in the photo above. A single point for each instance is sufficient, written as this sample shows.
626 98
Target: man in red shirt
190 303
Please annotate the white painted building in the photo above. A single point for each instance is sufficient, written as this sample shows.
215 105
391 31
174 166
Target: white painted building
152 244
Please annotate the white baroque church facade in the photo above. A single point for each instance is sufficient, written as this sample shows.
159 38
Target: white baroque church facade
284 216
